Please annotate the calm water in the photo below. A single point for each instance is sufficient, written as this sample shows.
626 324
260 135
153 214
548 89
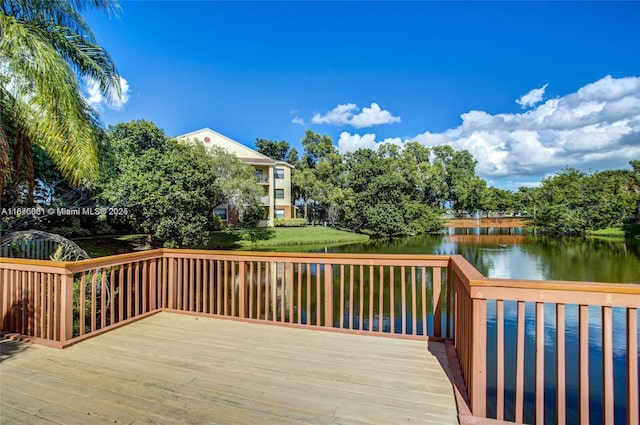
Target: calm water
510 253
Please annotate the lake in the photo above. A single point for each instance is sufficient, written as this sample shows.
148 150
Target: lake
512 253
495 252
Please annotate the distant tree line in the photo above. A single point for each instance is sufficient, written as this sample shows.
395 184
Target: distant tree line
171 188
390 191
395 191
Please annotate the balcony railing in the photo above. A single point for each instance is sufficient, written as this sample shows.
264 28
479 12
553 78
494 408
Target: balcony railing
512 342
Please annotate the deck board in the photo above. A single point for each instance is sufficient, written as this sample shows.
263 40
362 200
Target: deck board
178 369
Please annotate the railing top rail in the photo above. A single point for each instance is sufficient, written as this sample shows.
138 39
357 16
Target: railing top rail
113 260
558 285
31 262
77 266
481 287
334 258
325 257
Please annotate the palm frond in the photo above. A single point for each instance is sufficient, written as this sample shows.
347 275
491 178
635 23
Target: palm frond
45 46
51 106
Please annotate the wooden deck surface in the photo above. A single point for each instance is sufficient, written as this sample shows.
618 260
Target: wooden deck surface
178 369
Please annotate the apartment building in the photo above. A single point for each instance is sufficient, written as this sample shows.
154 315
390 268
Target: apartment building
273 175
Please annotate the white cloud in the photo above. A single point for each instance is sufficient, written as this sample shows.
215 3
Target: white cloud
351 142
532 98
119 101
348 114
373 116
96 99
597 128
297 120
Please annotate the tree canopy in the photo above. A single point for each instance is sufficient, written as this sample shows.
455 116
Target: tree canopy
574 202
170 188
387 192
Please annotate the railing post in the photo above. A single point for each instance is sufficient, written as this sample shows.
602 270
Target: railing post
328 296
152 279
66 307
171 284
242 300
479 359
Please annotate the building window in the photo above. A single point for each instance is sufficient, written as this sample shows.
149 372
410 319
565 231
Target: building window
278 173
279 213
279 193
260 176
221 212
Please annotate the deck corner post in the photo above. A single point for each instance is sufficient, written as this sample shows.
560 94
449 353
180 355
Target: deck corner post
66 306
479 359
328 296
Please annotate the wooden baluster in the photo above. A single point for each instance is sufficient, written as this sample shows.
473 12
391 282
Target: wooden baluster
500 360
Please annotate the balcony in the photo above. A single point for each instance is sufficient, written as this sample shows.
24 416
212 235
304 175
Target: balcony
515 350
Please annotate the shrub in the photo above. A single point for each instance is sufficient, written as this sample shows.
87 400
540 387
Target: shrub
290 222
252 216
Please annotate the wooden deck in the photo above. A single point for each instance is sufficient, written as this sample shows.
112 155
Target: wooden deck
170 369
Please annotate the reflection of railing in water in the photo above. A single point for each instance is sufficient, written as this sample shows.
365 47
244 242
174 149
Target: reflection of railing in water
60 304
316 291
486 239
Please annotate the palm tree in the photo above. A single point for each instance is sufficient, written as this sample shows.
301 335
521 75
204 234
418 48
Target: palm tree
46 51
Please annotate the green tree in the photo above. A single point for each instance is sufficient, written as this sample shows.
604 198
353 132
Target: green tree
273 149
573 202
133 138
463 186
170 188
497 201
169 195
238 186
315 178
382 198
316 147
45 48
635 178
528 200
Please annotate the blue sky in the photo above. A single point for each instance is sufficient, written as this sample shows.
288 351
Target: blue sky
527 87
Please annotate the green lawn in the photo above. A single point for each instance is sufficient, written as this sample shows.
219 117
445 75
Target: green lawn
630 231
282 236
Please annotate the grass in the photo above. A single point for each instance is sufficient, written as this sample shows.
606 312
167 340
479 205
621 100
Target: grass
630 231
101 246
247 239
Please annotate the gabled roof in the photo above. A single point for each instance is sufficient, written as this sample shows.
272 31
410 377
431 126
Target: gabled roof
244 153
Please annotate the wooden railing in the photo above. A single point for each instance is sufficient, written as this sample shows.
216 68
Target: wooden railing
503 306
513 339
59 304
384 294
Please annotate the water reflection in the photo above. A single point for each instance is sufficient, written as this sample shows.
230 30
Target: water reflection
513 254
